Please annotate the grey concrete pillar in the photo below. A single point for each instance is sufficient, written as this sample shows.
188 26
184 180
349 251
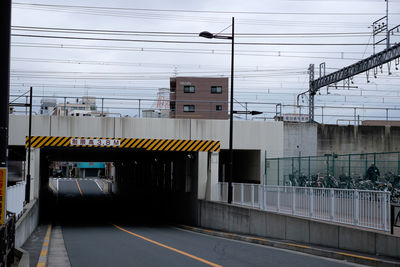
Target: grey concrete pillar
212 183
202 175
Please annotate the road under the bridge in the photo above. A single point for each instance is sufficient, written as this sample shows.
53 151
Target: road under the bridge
95 236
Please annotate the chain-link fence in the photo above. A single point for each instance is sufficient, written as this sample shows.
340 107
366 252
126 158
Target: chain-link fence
366 171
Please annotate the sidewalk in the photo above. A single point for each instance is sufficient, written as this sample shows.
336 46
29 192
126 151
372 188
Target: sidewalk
43 253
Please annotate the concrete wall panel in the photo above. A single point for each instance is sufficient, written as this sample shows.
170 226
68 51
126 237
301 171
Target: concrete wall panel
388 245
298 229
257 223
324 234
356 240
300 138
276 225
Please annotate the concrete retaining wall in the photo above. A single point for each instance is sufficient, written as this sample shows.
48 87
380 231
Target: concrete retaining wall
320 139
357 139
27 223
241 220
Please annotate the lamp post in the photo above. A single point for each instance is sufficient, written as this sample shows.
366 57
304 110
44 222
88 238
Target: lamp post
209 35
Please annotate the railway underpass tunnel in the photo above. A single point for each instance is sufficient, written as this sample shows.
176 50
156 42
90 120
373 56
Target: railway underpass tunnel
143 186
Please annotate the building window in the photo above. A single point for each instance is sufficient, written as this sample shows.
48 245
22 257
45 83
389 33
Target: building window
216 89
188 108
218 107
188 89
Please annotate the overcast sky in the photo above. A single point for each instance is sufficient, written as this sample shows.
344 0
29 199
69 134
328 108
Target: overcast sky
269 72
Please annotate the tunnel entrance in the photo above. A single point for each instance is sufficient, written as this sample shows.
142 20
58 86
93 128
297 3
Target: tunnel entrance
135 186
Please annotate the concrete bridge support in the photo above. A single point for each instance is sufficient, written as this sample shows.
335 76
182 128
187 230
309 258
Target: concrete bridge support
35 173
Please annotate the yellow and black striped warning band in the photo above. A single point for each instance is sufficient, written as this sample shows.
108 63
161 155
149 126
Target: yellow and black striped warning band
133 143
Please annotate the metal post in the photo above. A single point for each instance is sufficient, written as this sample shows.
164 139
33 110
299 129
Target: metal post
292 180
219 191
28 175
309 170
299 165
65 106
241 194
231 117
5 27
278 200
387 115
311 95
246 110
252 195
311 202
293 200
322 110
349 176
278 170
327 170
387 25
102 106
265 168
139 108
356 207
332 204
385 203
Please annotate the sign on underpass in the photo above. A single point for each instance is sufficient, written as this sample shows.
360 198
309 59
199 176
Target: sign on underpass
130 143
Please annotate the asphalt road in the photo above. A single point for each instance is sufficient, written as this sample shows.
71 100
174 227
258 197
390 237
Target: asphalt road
103 242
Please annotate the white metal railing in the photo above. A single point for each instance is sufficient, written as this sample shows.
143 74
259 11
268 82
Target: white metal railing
361 208
16 198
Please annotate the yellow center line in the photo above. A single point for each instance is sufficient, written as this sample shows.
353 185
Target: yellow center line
170 248
357 256
79 188
296 245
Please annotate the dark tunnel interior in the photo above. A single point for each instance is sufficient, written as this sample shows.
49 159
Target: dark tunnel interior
146 187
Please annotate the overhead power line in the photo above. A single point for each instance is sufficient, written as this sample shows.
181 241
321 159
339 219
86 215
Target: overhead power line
201 11
187 34
185 42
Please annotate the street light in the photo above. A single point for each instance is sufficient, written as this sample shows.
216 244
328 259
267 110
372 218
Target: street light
209 35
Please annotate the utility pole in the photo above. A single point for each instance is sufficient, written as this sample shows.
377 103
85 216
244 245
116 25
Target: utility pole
5 30
387 25
28 175
312 93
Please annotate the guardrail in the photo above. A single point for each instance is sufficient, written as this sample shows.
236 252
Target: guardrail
7 241
361 208
15 198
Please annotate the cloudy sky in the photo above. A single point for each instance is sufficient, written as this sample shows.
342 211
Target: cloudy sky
128 49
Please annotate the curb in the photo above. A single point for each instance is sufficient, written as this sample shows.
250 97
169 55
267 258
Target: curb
23 256
45 248
338 255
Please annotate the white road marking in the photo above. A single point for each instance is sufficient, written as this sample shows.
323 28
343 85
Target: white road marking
96 181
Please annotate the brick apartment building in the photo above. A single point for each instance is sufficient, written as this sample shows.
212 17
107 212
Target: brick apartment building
199 98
